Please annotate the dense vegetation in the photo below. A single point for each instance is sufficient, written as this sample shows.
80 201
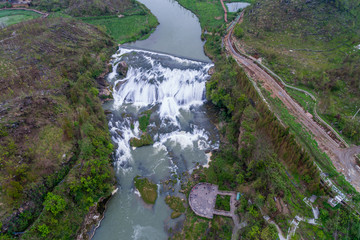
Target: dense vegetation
312 44
260 158
147 189
5 5
78 8
222 202
123 20
55 146
176 204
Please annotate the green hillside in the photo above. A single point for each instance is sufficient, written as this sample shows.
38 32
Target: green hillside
123 20
55 146
84 8
54 142
312 44
259 157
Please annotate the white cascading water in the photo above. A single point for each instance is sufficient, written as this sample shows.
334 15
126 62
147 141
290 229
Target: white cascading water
172 90
157 81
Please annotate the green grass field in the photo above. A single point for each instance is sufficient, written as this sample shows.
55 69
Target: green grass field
10 17
125 29
210 12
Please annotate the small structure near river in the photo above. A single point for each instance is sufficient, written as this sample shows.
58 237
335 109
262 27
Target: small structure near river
202 199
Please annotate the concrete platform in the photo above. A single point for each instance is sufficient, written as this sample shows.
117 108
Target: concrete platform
202 199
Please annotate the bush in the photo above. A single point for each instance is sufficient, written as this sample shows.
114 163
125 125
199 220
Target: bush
222 203
147 189
44 230
239 32
54 203
144 140
5 5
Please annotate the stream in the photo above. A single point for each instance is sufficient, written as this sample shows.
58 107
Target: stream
166 77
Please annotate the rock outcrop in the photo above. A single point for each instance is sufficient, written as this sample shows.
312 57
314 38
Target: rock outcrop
122 69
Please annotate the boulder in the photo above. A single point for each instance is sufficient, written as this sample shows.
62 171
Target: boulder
122 68
118 85
211 71
105 94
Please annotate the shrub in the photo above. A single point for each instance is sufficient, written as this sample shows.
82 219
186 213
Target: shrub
44 230
54 203
147 189
144 122
238 31
144 140
14 190
94 91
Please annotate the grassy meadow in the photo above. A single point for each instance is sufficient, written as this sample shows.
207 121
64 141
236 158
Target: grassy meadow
125 29
10 17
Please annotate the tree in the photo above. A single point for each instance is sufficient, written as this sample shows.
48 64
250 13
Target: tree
238 31
54 203
44 230
270 232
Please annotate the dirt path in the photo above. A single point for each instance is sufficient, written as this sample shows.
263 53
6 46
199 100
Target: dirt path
225 11
342 158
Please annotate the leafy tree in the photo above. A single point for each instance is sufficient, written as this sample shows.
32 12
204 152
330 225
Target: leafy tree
44 230
270 232
54 203
239 32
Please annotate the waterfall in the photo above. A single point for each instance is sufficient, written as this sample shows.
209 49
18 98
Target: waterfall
170 87
158 79
170 91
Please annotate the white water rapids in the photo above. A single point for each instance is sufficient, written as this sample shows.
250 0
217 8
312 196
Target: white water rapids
168 85
171 87
172 90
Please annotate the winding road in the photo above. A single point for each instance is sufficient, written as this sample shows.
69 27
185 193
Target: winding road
328 141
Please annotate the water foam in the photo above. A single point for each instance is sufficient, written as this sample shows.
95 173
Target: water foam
172 86
145 232
121 133
169 85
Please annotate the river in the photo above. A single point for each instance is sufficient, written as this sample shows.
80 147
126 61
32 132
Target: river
166 76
